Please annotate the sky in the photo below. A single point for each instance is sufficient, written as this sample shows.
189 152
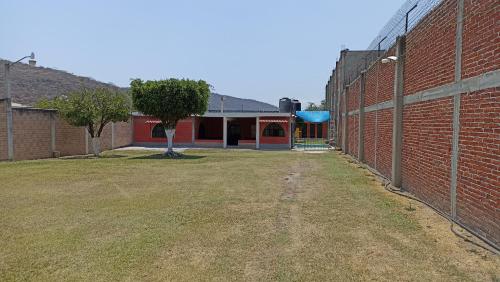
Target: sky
258 49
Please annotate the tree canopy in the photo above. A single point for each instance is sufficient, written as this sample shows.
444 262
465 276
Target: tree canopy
314 107
92 108
170 100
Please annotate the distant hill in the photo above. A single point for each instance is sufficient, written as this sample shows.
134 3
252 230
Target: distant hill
30 84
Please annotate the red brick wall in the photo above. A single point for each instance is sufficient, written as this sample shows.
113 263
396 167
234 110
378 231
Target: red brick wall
430 50
478 189
481 37
354 90
353 135
3 131
32 137
369 130
426 160
428 125
384 142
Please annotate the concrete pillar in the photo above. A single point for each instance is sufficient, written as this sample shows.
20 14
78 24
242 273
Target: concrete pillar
86 133
290 132
345 125
224 132
456 109
10 120
361 125
257 133
397 125
52 133
112 135
193 129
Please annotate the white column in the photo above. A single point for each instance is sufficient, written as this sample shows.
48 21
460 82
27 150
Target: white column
224 131
112 135
257 133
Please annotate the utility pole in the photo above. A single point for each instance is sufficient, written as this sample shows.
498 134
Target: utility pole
10 126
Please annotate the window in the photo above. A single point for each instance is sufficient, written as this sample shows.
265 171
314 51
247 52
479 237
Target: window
158 131
274 130
320 130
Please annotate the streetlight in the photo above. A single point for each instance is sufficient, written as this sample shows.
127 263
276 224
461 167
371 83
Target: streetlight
10 130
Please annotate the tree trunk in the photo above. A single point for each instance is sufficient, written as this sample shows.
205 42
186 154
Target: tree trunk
170 140
96 146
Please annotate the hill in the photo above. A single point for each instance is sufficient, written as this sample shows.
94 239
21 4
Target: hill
30 84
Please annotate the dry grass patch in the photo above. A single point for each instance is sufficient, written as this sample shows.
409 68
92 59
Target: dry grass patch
219 215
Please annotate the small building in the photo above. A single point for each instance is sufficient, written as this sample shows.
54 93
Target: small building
312 124
229 122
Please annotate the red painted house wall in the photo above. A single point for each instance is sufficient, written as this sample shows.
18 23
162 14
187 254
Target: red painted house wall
143 129
275 140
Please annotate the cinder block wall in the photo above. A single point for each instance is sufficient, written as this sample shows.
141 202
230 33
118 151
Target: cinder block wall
36 131
32 133
451 94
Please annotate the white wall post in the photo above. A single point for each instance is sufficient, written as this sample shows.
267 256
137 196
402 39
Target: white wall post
224 131
257 133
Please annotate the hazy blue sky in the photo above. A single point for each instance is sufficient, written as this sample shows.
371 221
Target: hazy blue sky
260 49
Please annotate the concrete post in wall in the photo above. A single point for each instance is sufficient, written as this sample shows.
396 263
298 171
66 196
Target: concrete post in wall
345 125
224 132
112 135
52 133
397 125
257 133
290 135
10 120
193 129
361 126
86 134
456 110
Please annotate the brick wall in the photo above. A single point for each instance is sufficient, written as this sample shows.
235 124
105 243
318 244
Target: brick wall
430 50
481 37
123 134
426 160
32 134
478 191
70 140
428 132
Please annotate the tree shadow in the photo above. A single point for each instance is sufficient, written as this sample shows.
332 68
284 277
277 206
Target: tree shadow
92 157
163 157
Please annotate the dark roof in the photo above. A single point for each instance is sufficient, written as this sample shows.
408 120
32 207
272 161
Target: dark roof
234 104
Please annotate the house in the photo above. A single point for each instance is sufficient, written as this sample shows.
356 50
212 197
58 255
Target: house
229 122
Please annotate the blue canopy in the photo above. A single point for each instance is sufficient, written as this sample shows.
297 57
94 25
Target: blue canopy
314 116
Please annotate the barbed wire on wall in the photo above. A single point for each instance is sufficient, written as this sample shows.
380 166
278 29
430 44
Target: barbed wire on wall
405 19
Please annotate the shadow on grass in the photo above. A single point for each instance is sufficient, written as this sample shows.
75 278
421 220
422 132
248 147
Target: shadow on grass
92 157
163 157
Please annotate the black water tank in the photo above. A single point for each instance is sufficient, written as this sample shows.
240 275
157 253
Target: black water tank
296 106
285 105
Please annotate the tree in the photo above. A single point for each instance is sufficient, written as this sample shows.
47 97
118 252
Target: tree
170 101
313 107
92 108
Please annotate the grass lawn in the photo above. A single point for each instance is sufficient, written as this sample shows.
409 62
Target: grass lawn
220 215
